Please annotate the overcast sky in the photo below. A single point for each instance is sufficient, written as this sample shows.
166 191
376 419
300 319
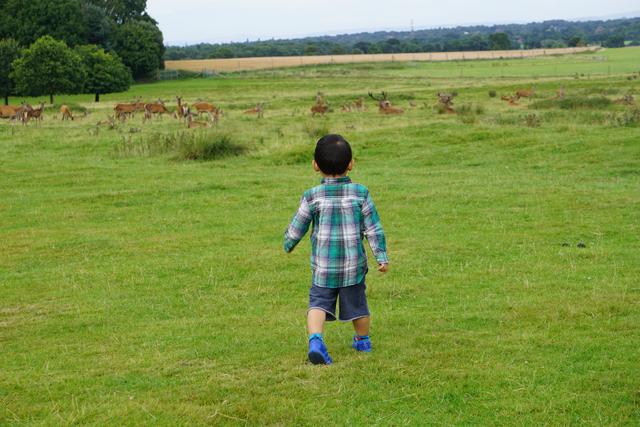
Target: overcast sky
215 21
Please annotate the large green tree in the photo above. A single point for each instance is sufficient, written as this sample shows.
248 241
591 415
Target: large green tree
105 72
9 52
139 44
27 21
122 11
48 67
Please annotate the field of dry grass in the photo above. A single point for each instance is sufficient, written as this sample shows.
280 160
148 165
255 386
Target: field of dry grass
242 64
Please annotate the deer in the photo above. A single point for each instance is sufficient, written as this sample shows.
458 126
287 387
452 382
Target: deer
204 107
36 113
384 106
256 110
319 109
359 104
124 110
446 101
561 94
180 110
155 108
10 111
66 112
525 93
346 108
196 124
512 100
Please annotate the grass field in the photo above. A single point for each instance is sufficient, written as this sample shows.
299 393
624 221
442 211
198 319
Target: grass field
139 288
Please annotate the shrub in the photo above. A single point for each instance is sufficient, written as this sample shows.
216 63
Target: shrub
492 94
185 145
532 120
315 131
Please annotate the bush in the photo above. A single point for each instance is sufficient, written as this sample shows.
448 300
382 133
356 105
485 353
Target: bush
628 118
532 120
315 131
492 94
185 145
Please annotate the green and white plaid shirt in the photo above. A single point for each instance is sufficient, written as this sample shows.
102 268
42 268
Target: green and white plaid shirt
342 214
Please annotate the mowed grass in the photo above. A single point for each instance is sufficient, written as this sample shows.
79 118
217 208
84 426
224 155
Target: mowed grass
139 288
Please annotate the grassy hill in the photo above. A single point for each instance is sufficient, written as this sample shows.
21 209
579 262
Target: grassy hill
138 287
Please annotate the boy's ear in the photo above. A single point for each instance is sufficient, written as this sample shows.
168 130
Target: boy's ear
315 166
350 165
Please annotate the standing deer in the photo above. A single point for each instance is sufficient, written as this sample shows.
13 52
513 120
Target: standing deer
66 112
359 104
384 106
155 108
204 107
321 106
36 113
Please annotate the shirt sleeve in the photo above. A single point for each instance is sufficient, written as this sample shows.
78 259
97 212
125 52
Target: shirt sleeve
299 225
373 231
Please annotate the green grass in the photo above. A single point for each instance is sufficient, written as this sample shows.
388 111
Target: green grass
139 288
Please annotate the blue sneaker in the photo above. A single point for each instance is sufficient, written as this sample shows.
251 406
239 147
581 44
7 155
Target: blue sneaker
362 344
318 354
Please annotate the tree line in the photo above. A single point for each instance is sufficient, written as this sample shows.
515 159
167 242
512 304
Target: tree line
548 34
76 46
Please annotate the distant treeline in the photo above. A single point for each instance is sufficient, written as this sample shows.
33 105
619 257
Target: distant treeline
548 34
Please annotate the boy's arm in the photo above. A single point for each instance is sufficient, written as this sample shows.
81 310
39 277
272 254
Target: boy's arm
374 232
299 225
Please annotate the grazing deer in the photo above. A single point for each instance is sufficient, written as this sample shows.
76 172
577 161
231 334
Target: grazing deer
195 124
35 113
256 110
525 93
66 112
384 105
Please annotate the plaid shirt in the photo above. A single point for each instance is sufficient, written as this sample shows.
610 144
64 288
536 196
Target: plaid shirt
342 214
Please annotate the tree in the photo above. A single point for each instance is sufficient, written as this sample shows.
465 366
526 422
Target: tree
499 41
139 44
122 11
27 21
616 40
105 72
48 67
9 52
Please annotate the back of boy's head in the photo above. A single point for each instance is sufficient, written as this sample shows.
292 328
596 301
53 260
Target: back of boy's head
333 154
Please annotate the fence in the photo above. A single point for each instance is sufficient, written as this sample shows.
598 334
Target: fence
242 64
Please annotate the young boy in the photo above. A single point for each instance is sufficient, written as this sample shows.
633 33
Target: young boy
342 214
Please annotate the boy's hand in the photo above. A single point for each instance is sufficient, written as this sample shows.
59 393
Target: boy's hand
383 268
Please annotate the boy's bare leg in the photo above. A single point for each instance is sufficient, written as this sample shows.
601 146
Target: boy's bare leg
315 321
361 326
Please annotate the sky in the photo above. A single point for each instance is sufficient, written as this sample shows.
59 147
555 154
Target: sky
218 21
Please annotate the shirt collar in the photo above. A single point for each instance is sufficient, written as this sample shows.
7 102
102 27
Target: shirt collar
342 180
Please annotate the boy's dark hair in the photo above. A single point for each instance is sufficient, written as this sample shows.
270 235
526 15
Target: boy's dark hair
333 154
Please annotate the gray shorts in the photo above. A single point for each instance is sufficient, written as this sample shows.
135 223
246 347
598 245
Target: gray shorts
352 300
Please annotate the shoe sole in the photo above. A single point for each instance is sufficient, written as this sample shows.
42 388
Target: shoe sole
317 358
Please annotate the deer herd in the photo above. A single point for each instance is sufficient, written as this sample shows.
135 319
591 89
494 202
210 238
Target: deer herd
191 115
